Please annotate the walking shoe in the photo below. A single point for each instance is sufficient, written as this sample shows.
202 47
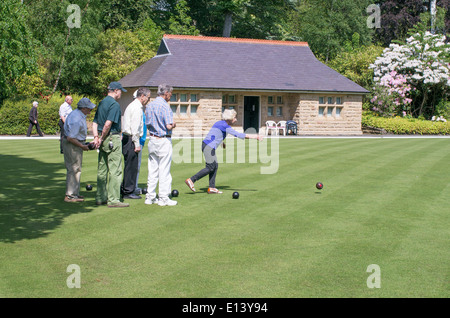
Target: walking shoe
131 196
72 199
118 205
214 190
167 201
190 184
151 201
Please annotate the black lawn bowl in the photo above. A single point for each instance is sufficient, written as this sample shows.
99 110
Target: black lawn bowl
89 187
319 185
175 193
236 195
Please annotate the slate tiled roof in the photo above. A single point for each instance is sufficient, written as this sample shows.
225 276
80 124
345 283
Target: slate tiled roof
238 64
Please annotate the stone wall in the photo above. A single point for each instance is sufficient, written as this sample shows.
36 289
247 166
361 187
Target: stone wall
311 122
302 108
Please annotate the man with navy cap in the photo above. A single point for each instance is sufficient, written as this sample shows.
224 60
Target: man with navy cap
74 143
107 129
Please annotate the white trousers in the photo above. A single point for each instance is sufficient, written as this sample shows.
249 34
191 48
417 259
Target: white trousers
159 161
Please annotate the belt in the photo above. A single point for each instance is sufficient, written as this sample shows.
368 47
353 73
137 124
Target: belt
165 136
65 137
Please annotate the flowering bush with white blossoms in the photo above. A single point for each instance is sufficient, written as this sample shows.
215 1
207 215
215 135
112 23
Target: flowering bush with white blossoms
415 76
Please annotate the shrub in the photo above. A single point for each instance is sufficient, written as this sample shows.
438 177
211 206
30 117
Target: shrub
403 125
14 114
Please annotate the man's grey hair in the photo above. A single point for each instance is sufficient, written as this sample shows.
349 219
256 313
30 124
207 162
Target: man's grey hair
142 91
163 89
35 103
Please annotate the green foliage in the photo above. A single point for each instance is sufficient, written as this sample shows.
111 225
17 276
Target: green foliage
409 126
121 52
259 19
68 54
327 24
14 114
17 56
126 14
354 64
181 22
32 85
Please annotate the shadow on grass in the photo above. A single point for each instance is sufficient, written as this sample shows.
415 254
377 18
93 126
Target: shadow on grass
227 188
32 198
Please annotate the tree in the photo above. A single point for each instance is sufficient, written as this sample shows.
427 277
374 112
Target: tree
354 64
17 54
397 17
180 22
261 19
122 51
126 14
328 24
66 51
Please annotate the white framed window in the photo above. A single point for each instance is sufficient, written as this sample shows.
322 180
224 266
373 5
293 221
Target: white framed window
328 108
270 100
184 104
270 111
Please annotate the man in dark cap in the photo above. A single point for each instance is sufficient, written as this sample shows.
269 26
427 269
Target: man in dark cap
107 137
74 143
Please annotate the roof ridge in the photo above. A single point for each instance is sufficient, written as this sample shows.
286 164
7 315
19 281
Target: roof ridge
233 40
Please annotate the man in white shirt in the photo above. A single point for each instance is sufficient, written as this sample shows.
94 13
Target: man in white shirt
74 143
132 129
64 110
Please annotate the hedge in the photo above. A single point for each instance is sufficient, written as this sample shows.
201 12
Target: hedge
14 115
406 126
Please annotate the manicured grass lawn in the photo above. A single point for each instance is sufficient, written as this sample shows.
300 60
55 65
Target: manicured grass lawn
385 202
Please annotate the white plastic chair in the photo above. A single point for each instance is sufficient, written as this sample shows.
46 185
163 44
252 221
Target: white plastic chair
282 126
271 125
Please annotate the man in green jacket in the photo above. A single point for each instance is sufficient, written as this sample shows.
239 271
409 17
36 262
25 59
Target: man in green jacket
107 137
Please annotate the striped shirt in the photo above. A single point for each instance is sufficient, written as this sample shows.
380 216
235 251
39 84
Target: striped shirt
158 114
